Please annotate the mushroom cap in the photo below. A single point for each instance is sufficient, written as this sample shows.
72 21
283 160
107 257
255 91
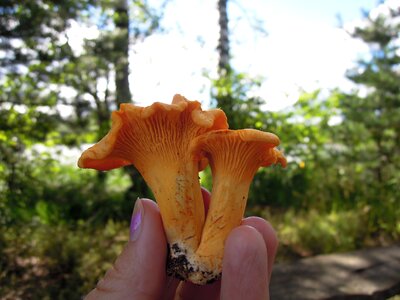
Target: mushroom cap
99 155
259 146
136 130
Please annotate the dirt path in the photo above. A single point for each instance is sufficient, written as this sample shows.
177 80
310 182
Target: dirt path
365 274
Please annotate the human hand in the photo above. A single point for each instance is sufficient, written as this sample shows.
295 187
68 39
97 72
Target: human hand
139 271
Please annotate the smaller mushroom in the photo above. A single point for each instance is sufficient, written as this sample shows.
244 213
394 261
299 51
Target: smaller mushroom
234 157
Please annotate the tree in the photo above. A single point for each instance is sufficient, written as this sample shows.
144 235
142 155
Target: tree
40 64
121 49
33 40
377 114
370 129
231 89
128 30
223 41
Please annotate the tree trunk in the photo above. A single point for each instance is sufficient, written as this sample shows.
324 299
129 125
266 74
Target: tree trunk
224 95
138 187
121 50
223 42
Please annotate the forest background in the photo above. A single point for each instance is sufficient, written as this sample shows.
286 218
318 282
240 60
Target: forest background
62 227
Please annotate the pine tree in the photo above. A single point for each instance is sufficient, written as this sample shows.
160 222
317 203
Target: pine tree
377 113
371 121
231 89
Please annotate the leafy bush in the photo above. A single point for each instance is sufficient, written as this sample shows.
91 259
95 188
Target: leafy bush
310 232
315 233
64 262
63 227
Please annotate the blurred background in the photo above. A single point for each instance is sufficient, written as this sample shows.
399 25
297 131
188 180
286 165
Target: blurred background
323 75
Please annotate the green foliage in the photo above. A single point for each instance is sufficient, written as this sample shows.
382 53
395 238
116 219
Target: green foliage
49 220
379 110
314 232
64 261
51 193
62 227
230 93
373 120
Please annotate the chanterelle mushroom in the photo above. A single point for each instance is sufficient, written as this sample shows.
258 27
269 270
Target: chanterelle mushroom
156 140
234 157
169 144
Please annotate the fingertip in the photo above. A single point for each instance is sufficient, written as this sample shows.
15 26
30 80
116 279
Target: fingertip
245 265
244 242
150 204
140 269
269 235
265 229
259 222
205 192
188 290
206 198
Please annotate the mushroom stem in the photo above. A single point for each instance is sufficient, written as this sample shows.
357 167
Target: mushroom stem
234 158
225 212
181 188
228 202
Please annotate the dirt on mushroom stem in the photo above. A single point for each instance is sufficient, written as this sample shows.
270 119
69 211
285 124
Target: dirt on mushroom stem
181 204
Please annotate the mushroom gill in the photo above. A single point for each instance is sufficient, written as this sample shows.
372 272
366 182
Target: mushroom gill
234 157
156 140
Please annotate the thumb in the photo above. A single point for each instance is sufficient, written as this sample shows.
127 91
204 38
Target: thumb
139 271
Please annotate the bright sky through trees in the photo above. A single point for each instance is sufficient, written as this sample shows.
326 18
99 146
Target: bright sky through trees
301 46
304 48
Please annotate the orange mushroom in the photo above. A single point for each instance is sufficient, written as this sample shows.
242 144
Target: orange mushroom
156 140
234 157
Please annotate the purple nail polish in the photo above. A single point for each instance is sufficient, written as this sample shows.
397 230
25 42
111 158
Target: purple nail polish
137 217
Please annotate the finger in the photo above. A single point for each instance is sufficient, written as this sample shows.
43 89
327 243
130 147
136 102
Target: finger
269 235
190 291
139 271
245 266
206 198
170 289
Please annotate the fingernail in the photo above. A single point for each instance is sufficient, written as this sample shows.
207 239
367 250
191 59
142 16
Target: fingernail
136 221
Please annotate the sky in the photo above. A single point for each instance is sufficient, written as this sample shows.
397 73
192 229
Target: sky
304 48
